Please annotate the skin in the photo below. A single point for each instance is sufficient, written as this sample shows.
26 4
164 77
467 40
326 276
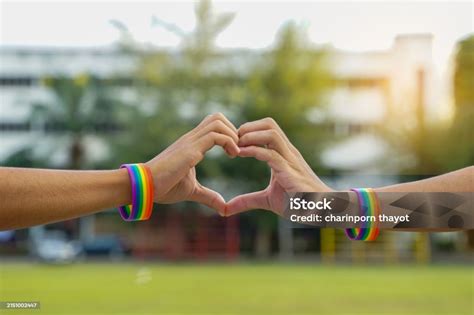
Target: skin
265 141
37 196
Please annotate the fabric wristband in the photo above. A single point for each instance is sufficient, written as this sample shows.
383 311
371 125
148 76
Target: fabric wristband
368 206
142 193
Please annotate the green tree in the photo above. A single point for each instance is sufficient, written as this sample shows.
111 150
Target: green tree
461 132
176 89
440 147
287 83
80 106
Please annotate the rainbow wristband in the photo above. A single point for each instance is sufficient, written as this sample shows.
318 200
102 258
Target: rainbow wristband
142 193
369 206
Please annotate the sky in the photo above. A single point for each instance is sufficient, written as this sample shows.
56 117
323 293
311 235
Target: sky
348 25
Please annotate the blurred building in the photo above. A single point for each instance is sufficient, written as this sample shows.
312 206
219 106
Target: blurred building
21 72
371 87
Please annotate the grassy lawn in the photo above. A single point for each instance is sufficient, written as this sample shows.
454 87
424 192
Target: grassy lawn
237 289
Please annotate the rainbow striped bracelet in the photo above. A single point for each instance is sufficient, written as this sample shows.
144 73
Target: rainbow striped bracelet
369 206
142 193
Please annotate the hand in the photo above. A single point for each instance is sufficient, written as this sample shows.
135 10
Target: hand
173 170
265 141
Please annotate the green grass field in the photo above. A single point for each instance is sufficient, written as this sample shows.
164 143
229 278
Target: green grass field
237 289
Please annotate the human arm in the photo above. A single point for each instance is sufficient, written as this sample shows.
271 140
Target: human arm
38 196
265 141
457 181
35 196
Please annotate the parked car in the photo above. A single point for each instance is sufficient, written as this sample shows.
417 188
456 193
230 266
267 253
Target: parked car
54 247
104 245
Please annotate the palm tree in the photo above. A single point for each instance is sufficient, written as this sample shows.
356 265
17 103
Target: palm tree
80 106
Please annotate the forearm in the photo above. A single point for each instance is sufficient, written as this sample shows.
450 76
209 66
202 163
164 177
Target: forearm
33 196
458 181
421 192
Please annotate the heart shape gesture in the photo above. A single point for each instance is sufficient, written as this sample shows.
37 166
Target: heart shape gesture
174 172
264 140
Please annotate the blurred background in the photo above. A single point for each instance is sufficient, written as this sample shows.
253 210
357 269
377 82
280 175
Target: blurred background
371 93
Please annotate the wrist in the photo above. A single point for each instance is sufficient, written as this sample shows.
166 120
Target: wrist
120 187
141 190
319 186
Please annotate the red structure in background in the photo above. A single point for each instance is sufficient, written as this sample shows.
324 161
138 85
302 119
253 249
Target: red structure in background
184 236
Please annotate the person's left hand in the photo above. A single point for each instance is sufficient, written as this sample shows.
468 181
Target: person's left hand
173 170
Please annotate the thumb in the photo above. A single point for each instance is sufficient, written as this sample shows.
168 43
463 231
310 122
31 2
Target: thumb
209 198
254 200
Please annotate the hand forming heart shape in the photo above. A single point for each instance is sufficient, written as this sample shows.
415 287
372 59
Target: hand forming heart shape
175 176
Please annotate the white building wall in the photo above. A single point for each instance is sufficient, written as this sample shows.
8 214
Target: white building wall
375 86
362 101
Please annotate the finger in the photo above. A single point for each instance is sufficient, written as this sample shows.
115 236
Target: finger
262 124
266 124
255 200
270 138
214 117
220 127
210 198
206 142
273 158
227 122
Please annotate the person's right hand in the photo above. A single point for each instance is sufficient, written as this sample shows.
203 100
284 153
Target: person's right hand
265 141
173 170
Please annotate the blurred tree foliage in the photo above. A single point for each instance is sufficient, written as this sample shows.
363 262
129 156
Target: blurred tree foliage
451 147
80 106
461 133
178 88
175 89
286 83
439 147
461 143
